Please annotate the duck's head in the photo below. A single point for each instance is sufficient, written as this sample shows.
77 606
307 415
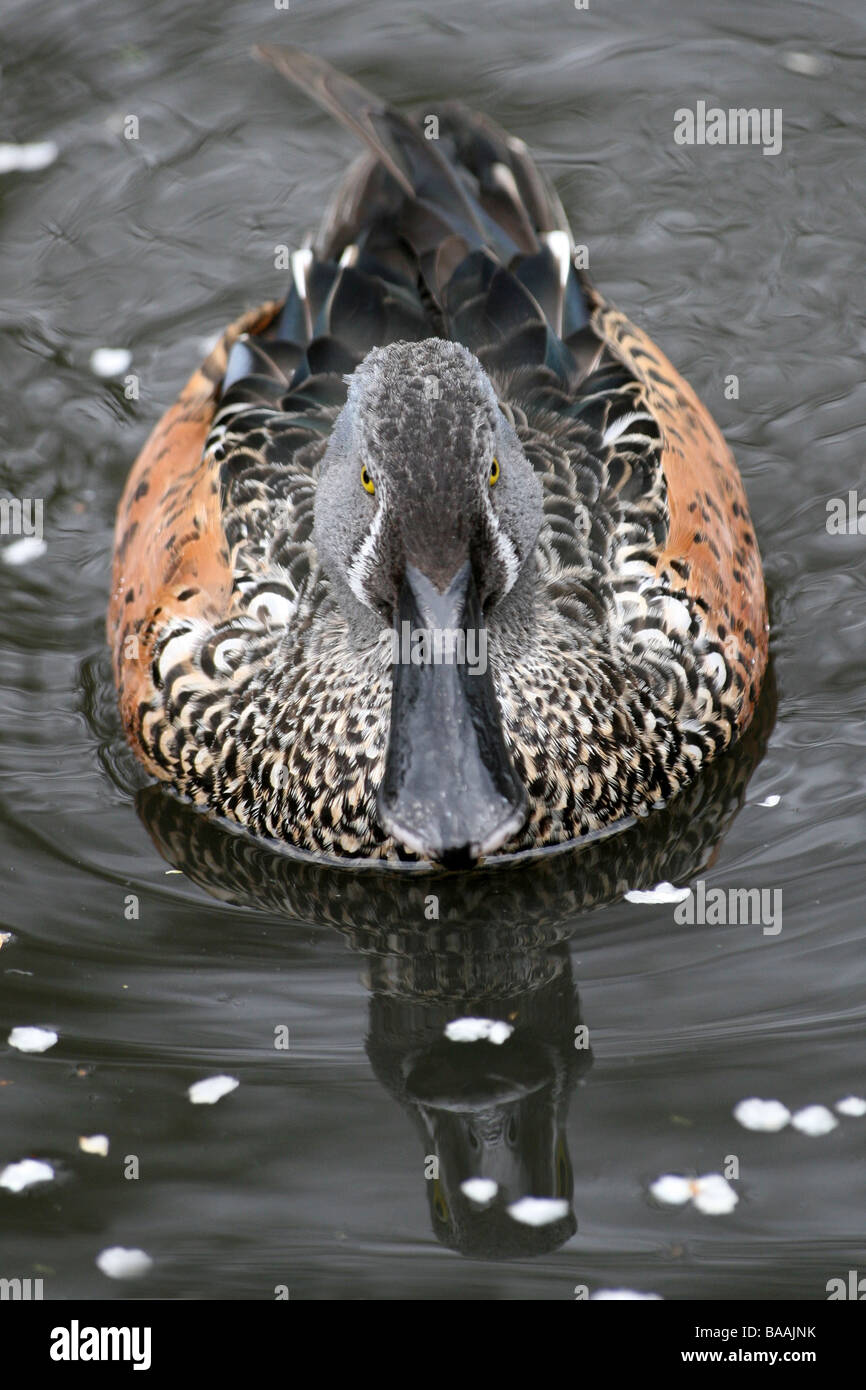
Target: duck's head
427 516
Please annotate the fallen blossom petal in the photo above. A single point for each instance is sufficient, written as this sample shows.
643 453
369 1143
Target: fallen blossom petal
762 1115
120 1263
480 1190
94 1144
602 1294
714 1195
27 159
671 1189
109 362
212 1089
662 893
814 1120
16 1176
538 1211
32 1039
493 1030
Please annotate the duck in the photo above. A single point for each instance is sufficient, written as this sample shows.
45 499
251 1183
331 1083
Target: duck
435 559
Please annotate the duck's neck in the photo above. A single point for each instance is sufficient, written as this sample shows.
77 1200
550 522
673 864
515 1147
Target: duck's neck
513 620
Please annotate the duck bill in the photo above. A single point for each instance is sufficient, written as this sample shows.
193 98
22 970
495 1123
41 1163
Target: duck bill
449 791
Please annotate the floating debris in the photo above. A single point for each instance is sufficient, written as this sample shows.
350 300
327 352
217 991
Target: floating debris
602 1294
480 1190
22 551
662 893
5 938
212 1089
16 1176
32 1039
770 801
493 1030
538 1211
27 159
762 1115
119 1263
852 1105
94 1144
109 362
814 1120
712 1194
672 1190
806 64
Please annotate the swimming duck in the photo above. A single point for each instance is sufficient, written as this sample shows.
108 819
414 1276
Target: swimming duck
439 558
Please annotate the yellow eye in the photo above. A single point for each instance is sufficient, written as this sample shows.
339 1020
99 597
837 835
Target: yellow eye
366 481
494 472
440 1206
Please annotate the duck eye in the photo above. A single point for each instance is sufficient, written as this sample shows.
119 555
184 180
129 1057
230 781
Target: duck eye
494 472
366 481
440 1206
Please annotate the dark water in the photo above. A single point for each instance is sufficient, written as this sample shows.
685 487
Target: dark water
312 1173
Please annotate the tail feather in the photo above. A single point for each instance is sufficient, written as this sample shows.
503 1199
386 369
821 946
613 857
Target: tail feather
456 236
356 108
416 164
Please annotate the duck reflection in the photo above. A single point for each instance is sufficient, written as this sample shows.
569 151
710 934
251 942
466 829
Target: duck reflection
490 1110
474 1018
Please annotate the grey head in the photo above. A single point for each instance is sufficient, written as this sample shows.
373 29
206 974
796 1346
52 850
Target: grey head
426 520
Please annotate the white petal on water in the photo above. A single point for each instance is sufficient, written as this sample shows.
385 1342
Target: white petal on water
770 801
27 159
32 1039
108 362
766 1115
852 1105
662 893
602 1294
22 551
120 1263
806 64
671 1189
212 1089
480 1190
94 1144
16 1176
714 1195
814 1120
538 1211
493 1030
